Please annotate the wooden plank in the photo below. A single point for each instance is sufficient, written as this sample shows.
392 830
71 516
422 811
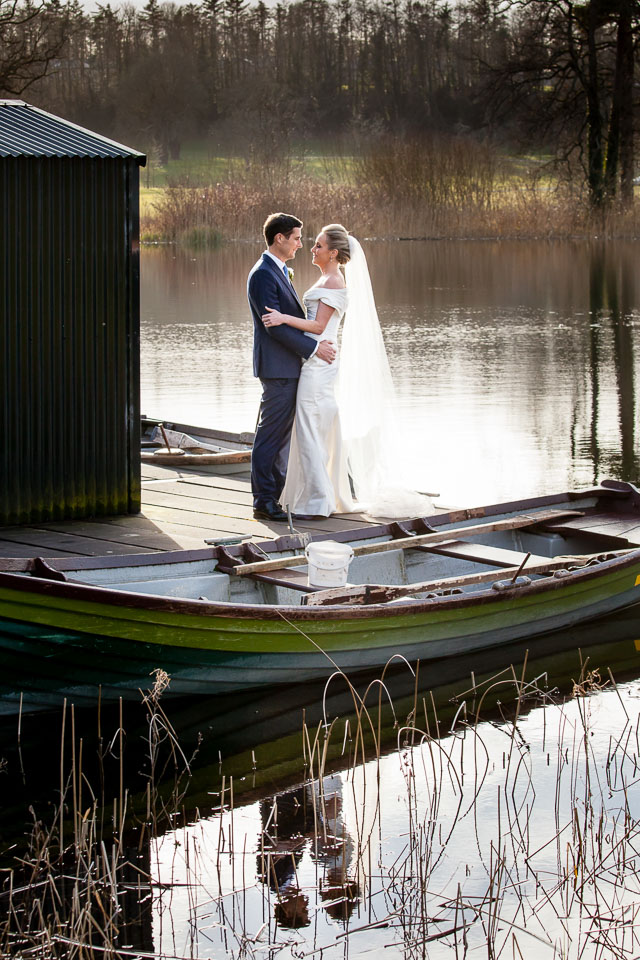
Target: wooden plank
196 460
213 524
614 525
10 549
293 579
481 553
185 537
127 531
194 504
67 543
201 494
223 482
384 593
153 471
238 511
408 543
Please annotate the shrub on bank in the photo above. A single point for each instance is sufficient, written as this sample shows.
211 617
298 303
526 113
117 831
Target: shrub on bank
440 187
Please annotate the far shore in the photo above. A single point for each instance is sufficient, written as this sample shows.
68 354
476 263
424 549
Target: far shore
207 216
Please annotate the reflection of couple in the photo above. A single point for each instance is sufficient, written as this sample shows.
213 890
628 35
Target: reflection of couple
318 438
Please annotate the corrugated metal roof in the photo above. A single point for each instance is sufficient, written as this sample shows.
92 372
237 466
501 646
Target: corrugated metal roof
27 131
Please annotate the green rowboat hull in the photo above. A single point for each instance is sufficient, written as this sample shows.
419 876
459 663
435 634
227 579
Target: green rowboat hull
62 640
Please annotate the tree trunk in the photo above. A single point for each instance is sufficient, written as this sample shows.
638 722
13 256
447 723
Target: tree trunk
624 89
594 113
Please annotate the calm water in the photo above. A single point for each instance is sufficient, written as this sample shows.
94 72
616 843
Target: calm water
515 363
515 372
515 835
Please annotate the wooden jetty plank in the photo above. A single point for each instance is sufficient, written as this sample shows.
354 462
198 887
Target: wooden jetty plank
10 549
244 485
152 471
184 536
202 494
41 538
244 512
232 482
213 525
128 531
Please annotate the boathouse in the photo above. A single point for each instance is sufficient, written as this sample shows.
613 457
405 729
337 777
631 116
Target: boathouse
70 318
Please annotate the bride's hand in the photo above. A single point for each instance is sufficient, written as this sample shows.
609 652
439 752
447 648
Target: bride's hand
272 318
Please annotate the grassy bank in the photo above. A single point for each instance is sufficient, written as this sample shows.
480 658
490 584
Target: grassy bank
394 188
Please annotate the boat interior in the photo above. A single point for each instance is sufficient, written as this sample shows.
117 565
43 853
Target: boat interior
521 544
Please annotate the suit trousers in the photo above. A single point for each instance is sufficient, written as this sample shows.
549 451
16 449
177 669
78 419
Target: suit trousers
273 434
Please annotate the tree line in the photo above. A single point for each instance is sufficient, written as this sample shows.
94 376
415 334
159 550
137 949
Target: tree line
545 76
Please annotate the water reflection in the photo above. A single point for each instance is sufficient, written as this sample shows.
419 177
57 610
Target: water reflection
612 299
457 840
513 361
289 839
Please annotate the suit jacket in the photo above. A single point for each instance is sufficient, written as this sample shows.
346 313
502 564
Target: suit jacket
277 351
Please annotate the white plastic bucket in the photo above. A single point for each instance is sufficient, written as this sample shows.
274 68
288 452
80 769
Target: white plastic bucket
328 563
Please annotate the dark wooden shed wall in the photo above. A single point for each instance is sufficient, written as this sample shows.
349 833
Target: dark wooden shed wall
69 337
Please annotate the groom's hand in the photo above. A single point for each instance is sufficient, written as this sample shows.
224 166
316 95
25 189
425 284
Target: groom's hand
326 351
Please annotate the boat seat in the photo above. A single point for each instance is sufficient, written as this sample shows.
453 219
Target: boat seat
606 526
481 553
286 577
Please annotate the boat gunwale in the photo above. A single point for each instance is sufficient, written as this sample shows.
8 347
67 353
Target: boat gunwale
105 596
295 541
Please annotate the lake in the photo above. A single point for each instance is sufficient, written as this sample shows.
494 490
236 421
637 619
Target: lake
514 362
494 810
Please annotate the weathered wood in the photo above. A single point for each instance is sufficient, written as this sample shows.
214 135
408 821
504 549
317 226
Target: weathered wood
359 594
210 484
408 543
184 459
42 539
612 525
292 579
479 553
210 524
241 497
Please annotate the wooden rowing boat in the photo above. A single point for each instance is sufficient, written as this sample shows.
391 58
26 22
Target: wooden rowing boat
188 447
240 616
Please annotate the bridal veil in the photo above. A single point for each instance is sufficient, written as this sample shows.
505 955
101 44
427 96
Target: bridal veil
367 404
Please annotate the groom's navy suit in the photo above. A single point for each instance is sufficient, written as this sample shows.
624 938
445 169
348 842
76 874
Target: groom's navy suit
278 353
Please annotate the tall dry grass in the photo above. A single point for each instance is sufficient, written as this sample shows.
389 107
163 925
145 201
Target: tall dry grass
390 187
519 829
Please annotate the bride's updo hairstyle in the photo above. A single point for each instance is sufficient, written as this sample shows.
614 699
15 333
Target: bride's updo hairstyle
338 239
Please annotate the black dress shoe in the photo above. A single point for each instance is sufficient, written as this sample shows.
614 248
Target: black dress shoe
308 516
270 511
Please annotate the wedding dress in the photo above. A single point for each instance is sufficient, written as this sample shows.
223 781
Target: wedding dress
317 476
345 435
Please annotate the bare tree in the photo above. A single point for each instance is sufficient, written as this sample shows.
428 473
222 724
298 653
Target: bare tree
568 75
32 36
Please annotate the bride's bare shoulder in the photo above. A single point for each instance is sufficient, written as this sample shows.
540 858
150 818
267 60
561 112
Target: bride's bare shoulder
334 283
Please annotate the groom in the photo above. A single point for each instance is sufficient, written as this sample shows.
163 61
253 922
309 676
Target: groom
278 355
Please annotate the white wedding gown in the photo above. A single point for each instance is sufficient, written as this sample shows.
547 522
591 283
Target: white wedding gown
317 480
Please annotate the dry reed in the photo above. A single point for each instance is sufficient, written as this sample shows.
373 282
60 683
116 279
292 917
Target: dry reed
392 187
485 860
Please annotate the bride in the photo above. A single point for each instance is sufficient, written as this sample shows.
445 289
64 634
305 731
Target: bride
342 444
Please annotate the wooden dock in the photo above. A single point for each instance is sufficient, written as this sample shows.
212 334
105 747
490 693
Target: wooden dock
180 510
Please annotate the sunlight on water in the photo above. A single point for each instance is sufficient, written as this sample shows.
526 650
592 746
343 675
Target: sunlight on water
513 362
517 839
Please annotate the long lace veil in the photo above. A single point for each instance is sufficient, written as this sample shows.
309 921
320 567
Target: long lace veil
366 398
